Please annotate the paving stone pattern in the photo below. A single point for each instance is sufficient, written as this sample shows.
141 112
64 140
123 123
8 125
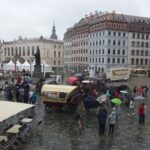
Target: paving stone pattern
57 133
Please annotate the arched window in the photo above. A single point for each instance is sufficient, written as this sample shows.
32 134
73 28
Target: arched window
132 52
137 61
132 61
59 54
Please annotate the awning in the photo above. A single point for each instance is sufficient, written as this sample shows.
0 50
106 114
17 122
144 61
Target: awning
9 109
58 88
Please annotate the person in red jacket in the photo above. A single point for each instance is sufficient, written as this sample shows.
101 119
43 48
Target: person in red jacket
141 111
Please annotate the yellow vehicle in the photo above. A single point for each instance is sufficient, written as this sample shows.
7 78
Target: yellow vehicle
57 96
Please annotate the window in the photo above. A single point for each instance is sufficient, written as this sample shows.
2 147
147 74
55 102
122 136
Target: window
5 51
93 43
108 51
99 51
8 51
23 51
109 32
118 51
113 60
146 61
114 42
96 43
142 36
133 43
118 60
103 42
114 52
147 44
108 60
54 53
54 62
142 44
16 51
137 61
59 54
54 46
103 51
124 43
12 51
138 36
137 52
102 60
28 51
118 42
119 34
32 50
142 52
147 36
141 61
99 42
146 53
138 44
124 34
133 35
123 52
109 42
132 61
99 60
19 51
123 61
58 62
114 33
132 52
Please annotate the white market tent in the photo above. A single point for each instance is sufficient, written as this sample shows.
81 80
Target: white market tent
9 66
25 66
46 67
18 64
9 109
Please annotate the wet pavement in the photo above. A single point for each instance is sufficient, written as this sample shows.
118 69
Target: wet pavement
60 132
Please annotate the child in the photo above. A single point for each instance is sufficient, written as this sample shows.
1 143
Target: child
33 98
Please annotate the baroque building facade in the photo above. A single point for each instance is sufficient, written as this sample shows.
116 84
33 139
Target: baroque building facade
112 40
51 50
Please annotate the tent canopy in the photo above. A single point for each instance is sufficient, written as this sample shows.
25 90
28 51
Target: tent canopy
9 109
18 63
10 63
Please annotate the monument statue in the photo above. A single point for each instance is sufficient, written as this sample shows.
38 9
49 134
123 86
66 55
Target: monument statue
37 57
37 73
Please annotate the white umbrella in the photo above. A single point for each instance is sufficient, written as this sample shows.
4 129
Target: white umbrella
139 98
102 98
125 92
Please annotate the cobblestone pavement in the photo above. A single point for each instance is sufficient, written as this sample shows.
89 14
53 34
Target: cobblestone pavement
57 134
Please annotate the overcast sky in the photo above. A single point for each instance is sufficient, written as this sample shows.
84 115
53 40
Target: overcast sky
32 18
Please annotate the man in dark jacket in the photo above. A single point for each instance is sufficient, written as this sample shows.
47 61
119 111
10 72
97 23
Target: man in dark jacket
102 116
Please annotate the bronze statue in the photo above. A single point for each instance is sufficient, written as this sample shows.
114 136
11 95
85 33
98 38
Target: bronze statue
37 58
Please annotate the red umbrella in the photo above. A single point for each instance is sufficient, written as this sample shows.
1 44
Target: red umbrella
72 80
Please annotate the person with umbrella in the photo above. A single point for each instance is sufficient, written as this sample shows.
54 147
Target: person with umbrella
102 116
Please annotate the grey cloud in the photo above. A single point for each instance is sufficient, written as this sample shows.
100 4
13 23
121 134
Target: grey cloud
32 18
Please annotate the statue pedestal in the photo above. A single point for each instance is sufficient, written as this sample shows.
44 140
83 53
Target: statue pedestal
37 74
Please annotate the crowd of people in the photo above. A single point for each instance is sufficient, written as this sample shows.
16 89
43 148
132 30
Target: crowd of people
19 91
